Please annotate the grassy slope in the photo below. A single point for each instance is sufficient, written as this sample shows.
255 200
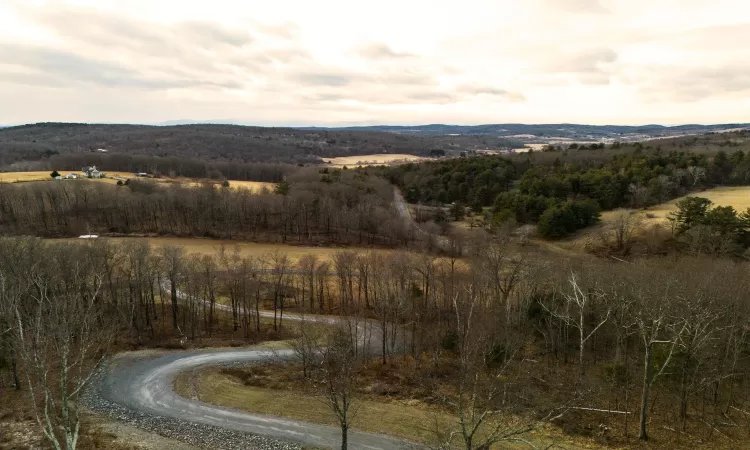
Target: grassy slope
735 196
408 422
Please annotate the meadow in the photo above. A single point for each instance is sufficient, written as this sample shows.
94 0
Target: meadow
372 160
112 177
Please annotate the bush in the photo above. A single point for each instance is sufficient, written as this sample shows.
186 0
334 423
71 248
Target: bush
559 221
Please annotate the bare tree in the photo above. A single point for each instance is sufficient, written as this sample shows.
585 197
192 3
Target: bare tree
307 265
306 346
481 385
622 230
578 305
173 257
62 331
657 324
335 379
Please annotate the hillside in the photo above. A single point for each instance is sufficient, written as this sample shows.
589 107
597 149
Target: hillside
219 142
534 132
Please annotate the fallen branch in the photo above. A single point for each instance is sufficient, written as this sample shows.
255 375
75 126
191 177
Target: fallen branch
610 411
717 430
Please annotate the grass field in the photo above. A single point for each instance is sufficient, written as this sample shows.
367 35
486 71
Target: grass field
395 419
736 196
412 419
247 249
21 177
372 160
113 176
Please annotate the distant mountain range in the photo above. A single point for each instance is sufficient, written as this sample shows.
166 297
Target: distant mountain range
518 131
530 132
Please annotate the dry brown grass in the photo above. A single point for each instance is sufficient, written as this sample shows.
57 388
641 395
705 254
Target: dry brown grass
247 249
114 176
278 390
22 177
400 419
371 160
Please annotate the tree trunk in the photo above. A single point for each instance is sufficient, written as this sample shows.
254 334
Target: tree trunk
173 292
14 367
642 433
344 436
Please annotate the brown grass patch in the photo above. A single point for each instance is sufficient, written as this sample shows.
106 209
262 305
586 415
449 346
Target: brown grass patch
254 390
372 160
114 176
205 246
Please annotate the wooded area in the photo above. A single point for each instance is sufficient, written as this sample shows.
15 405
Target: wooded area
663 340
565 193
218 143
337 206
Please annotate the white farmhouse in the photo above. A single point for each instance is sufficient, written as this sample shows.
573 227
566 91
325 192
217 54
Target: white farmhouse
91 172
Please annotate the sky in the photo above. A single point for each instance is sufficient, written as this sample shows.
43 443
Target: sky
398 62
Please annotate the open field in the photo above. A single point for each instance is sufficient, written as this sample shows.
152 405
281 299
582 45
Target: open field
212 246
372 160
114 176
22 177
277 395
736 196
394 419
252 185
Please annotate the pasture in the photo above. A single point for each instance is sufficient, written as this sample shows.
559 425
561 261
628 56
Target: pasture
246 249
737 197
372 160
114 176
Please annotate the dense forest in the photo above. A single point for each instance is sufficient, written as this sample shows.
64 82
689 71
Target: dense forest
219 143
564 191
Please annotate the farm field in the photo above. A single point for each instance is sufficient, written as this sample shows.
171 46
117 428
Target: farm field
247 249
372 160
113 176
21 177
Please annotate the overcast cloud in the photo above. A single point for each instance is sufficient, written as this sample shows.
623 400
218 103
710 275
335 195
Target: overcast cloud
387 62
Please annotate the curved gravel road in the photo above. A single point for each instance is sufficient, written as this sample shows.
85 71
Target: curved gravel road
145 386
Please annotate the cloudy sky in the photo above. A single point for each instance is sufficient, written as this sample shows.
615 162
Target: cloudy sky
326 62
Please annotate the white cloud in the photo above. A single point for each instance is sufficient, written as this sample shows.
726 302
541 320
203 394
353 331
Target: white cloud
336 62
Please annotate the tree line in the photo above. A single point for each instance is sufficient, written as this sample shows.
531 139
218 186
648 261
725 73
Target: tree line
336 207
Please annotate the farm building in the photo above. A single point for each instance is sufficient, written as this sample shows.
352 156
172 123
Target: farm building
91 172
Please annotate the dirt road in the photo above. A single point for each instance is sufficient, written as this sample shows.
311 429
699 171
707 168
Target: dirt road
145 385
